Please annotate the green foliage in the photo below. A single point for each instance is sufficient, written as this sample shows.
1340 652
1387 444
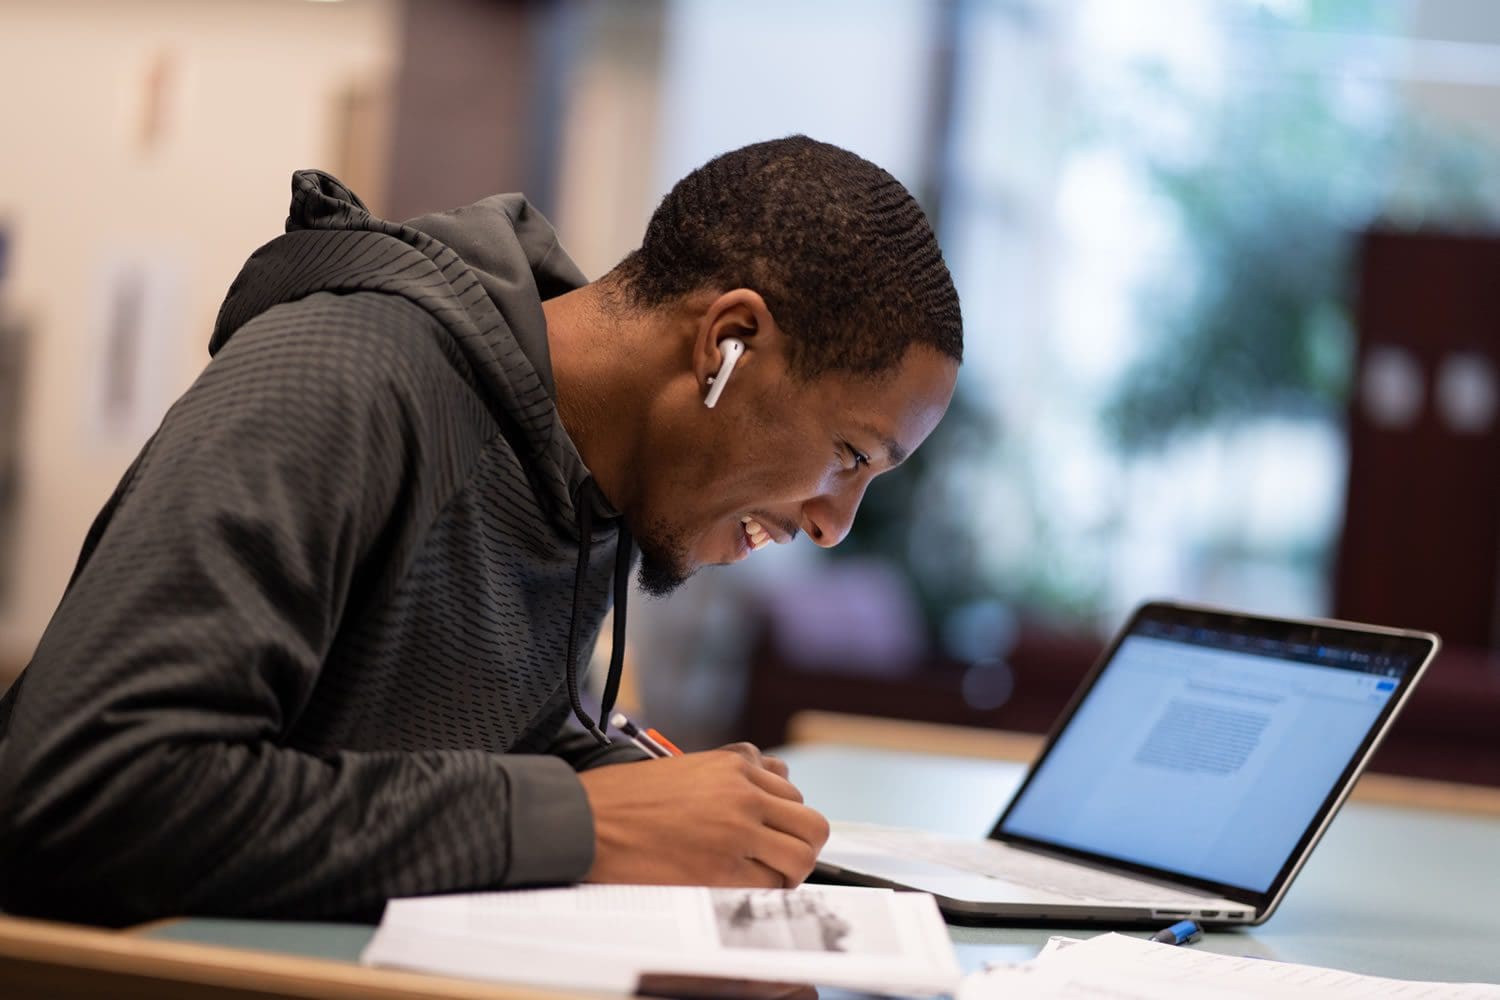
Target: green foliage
1256 320
1268 183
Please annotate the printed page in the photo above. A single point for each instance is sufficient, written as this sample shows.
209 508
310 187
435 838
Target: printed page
469 957
1056 943
597 936
1125 968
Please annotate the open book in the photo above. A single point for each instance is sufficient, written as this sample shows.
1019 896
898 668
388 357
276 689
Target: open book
608 937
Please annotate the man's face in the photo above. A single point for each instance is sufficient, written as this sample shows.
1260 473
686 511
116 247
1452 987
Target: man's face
777 457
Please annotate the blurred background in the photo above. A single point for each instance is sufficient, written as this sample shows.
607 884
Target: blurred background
1229 273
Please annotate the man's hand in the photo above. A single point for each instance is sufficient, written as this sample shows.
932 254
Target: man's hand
724 817
752 753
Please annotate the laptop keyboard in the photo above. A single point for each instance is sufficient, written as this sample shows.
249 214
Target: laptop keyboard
1033 871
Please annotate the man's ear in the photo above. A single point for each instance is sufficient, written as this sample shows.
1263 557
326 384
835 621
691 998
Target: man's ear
740 314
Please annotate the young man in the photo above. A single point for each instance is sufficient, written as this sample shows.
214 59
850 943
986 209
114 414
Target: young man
321 646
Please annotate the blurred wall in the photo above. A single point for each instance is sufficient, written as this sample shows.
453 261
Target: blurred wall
1453 69
610 130
471 110
152 136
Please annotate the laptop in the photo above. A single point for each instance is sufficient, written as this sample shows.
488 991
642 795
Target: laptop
1190 777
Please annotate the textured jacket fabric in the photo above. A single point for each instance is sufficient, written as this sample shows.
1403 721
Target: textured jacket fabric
312 655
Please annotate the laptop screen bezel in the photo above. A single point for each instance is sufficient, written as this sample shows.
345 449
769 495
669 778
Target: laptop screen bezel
1420 646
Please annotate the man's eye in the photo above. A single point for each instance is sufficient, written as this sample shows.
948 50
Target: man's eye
860 458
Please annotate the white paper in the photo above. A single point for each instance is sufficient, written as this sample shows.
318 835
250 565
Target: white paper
1056 943
1127 968
604 936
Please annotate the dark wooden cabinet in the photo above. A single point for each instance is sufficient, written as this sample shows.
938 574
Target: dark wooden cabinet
1421 538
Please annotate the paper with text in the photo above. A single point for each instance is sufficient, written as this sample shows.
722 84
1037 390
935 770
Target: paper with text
1125 968
605 936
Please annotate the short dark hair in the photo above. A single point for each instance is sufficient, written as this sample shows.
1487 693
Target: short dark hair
839 249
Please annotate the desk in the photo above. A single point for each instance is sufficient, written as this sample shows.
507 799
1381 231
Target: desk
1390 891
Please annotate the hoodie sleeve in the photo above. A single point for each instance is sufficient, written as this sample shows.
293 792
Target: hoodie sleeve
144 773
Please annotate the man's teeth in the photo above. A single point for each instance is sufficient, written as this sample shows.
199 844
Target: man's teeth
759 537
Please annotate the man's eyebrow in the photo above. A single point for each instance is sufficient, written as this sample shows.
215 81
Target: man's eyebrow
893 450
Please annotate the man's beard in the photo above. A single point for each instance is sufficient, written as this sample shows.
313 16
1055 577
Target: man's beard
664 561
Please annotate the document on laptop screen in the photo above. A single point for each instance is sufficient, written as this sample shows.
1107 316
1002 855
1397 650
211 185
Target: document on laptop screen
1205 760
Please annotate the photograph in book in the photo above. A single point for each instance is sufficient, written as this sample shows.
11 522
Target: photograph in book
807 920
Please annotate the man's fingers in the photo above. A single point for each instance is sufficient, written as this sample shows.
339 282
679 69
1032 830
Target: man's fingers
790 857
704 819
775 784
753 755
764 876
796 820
749 751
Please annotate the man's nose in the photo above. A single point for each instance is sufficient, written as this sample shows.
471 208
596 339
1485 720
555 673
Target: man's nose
828 518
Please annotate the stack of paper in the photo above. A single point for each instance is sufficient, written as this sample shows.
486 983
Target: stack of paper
608 937
1127 968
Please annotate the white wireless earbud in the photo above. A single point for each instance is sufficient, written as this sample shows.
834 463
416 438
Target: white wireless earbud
732 349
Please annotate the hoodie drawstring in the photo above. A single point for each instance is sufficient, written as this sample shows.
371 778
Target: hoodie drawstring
623 554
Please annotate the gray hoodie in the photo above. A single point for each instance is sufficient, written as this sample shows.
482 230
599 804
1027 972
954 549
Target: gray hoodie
317 649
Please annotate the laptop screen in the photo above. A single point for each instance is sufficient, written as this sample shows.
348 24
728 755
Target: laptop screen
1209 745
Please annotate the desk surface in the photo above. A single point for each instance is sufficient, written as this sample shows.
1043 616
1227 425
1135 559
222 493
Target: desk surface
1390 891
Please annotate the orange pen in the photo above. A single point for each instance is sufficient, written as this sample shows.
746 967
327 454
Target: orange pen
656 735
649 740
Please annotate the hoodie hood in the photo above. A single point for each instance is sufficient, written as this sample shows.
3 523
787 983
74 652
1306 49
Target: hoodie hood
481 271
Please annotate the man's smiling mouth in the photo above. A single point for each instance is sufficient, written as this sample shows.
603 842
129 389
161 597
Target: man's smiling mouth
755 533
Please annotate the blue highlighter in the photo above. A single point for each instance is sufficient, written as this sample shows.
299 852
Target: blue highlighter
1182 932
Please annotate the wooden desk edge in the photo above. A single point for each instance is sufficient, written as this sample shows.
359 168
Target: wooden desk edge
66 955
960 741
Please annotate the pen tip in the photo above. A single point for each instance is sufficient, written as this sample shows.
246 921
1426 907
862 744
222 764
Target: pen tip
618 720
